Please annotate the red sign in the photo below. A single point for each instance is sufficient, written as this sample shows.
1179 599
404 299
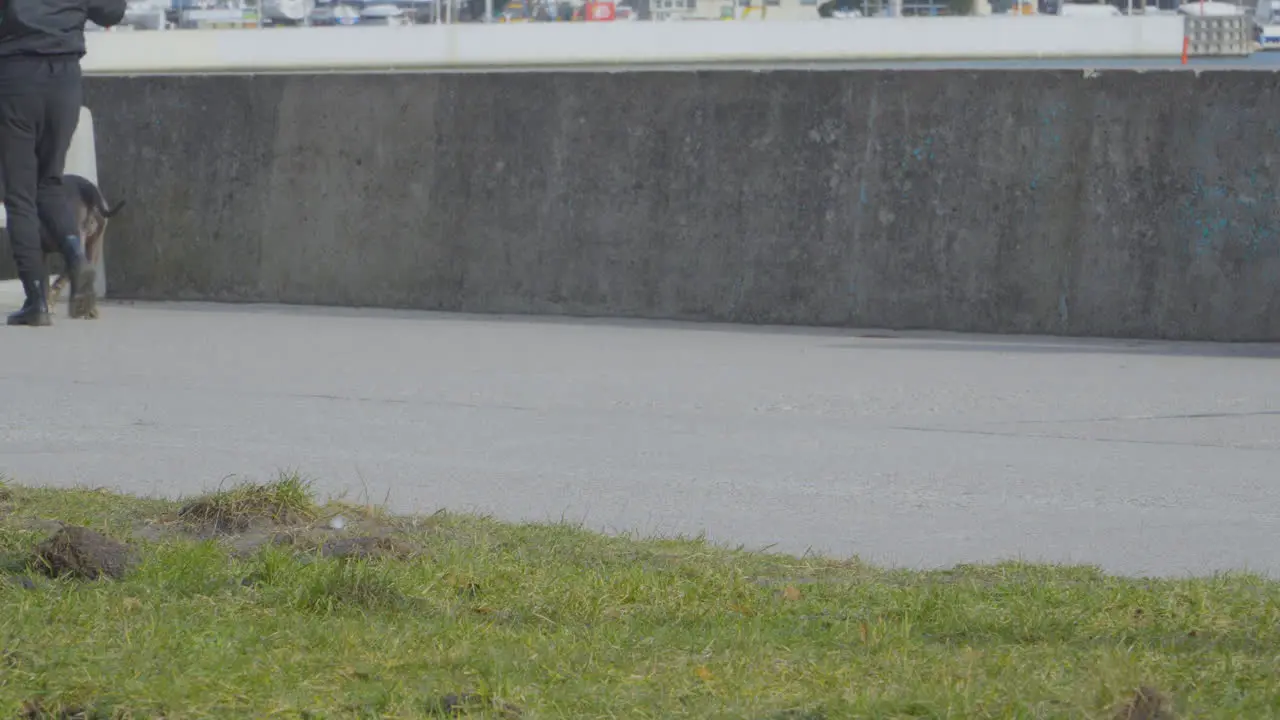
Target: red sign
601 11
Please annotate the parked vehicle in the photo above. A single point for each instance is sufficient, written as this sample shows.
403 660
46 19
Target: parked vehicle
384 14
145 15
1266 23
840 9
338 14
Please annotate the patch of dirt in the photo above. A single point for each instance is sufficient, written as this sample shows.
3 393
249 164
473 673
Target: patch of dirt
456 705
40 525
799 715
348 535
245 544
153 531
775 581
83 553
1146 704
360 548
241 544
357 538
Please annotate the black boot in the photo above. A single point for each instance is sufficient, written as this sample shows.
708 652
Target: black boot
35 311
83 296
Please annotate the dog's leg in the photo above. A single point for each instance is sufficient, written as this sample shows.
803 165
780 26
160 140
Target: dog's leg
93 243
51 294
50 289
92 250
54 288
55 291
98 247
84 299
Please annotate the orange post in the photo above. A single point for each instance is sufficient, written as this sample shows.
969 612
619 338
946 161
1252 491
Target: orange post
1186 46
601 11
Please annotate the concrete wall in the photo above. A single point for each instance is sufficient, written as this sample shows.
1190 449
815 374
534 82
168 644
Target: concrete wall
1118 204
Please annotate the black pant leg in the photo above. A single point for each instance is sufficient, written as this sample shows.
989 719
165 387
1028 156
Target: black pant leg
62 99
21 120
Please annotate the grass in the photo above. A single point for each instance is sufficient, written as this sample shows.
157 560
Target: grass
288 500
551 621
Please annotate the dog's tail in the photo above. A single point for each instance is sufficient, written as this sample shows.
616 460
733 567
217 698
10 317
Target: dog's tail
111 211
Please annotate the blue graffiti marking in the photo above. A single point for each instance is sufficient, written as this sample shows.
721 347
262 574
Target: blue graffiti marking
1219 214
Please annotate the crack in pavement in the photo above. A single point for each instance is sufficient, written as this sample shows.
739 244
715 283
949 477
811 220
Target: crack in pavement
1050 436
1142 418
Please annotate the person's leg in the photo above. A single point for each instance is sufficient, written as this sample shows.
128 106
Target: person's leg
21 117
61 115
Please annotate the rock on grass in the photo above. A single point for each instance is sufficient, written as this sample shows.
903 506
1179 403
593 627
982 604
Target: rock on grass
82 553
23 582
457 705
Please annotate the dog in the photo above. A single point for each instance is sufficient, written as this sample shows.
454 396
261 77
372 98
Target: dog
92 213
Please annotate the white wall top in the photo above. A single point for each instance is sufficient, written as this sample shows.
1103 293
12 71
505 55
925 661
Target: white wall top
606 45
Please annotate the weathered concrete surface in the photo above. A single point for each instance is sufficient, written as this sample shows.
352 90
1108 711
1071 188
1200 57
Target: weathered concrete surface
924 450
1059 202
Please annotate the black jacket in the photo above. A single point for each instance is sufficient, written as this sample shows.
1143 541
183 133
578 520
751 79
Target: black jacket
52 27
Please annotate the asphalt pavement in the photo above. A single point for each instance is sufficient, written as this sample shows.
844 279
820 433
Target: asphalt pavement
908 449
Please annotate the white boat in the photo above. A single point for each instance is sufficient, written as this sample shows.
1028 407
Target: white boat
1211 8
287 12
1070 9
